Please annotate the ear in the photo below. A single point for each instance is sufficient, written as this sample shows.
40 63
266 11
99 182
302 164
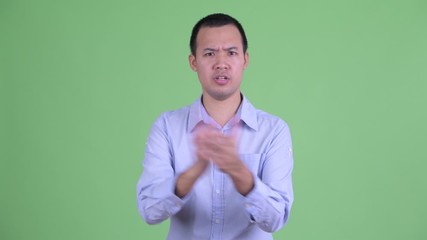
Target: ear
246 58
192 62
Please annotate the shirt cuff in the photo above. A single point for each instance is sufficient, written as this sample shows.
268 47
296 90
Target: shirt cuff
173 203
180 202
253 200
256 205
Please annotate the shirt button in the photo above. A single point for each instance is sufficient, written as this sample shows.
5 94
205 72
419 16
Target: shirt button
217 191
217 221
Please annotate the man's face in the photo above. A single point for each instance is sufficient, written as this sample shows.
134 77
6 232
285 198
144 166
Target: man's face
219 61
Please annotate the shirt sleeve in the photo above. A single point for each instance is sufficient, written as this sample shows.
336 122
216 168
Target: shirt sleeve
269 203
156 199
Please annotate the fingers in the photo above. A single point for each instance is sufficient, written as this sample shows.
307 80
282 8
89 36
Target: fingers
212 145
212 140
204 140
208 137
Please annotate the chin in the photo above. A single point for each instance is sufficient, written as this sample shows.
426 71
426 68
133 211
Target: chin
221 96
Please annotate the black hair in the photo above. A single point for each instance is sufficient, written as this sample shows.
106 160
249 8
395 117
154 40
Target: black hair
216 20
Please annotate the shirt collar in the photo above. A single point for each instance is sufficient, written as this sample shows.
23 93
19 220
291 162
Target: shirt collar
246 113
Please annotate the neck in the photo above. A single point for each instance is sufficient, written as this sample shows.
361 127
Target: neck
221 110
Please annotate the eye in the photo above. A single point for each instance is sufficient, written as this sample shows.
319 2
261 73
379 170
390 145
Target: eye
232 53
208 54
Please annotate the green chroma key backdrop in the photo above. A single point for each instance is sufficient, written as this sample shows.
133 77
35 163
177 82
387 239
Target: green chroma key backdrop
82 82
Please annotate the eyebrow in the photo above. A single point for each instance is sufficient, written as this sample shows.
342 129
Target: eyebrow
216 50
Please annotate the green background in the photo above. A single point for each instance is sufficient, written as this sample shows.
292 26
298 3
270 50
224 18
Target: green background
82 82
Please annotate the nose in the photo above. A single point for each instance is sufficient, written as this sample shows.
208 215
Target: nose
221 63
221 67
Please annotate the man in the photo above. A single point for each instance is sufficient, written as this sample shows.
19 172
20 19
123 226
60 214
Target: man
219 168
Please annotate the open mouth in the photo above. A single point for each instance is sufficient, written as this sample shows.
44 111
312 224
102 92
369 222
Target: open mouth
221 79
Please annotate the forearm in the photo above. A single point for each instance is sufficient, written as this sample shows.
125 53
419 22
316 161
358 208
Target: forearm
243 180
186 180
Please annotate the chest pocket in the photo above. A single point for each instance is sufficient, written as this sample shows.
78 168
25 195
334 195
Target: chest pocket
254 162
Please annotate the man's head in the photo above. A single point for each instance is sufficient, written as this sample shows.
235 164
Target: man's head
216 20
219 56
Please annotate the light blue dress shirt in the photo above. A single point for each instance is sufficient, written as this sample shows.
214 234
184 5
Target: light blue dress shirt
214 209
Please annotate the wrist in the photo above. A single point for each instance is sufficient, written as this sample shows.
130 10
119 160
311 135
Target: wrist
243 180
186 180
